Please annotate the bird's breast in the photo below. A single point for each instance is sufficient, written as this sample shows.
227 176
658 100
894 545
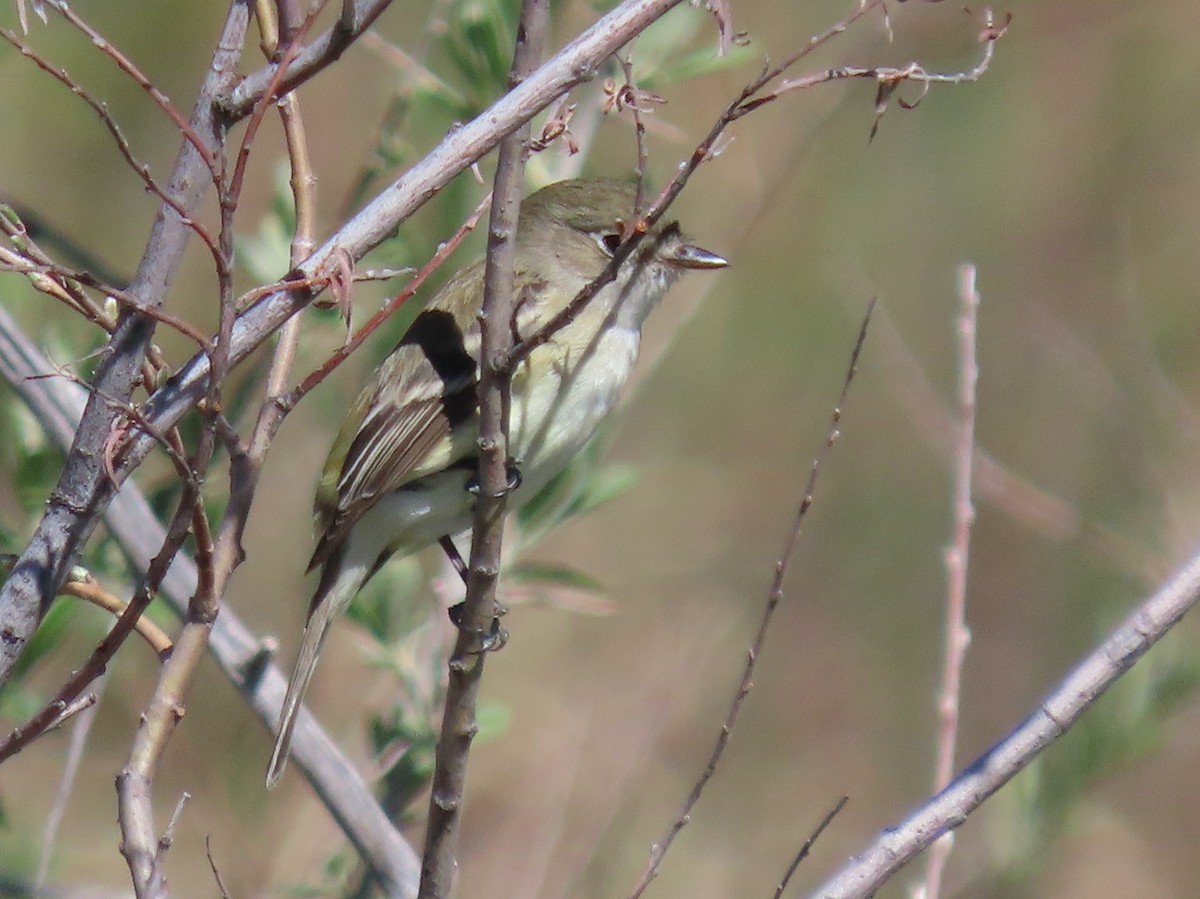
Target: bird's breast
560 396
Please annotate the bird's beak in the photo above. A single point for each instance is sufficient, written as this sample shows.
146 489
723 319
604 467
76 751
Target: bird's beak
687 256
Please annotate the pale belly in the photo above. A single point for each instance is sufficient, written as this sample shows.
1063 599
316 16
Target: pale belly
548 426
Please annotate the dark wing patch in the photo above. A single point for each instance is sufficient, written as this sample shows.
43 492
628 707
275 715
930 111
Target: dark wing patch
426 389
444 344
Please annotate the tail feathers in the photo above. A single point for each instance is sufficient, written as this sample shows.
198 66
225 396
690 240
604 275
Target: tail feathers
332 596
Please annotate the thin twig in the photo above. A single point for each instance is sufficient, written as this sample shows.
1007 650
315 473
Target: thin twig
372 324
168 703
212 866
893 75
101 109
91 591
957 636
774 597
808 844
158 881
628 97
307 62
130 618
45 274
182 125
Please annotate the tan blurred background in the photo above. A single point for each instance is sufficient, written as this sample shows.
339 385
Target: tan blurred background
1070 175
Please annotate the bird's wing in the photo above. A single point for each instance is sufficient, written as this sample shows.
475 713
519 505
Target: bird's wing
418 416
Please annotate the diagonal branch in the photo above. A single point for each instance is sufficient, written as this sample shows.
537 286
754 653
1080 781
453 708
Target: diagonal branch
57 404
84 489
895 847
774 598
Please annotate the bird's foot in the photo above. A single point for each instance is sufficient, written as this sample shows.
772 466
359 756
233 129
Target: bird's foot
492 638
512 474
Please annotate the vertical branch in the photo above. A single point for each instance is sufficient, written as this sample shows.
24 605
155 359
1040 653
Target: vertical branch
632 100
958 637
497 325
218 560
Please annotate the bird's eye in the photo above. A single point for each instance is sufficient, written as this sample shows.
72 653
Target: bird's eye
609 241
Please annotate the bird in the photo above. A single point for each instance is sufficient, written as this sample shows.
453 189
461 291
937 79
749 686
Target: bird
401 472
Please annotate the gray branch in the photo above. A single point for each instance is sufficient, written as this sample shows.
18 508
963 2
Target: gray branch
57 403
85 489
897 846
75 505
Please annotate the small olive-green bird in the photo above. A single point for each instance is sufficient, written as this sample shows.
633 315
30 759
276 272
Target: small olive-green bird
397 476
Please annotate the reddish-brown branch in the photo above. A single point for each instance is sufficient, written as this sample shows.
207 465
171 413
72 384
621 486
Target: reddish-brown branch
127 66
140 169
389 309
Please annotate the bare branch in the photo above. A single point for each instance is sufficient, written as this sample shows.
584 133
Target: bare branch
957 636
127 66
774 597
343 352
57 404
84 487
808 844
357 16
1098 671
496 320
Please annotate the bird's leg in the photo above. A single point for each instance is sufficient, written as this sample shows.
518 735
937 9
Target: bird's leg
446 542
491 639
496 636
512 475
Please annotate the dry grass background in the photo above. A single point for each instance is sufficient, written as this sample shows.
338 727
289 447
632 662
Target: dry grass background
1068 175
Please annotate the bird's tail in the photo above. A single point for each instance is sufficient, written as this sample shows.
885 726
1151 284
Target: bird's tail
339 583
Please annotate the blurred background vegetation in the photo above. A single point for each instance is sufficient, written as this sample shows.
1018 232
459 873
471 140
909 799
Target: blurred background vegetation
1067 175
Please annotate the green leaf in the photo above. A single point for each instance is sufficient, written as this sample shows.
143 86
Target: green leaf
493 719
387 608
554 575
604 485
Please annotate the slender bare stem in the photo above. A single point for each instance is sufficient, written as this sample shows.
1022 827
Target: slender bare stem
808 844
774 597
496 319
957 636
